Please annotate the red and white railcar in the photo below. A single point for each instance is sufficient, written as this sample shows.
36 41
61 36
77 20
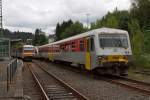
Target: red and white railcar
107 50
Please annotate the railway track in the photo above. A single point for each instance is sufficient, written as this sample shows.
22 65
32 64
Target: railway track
135 85
131 84
52 87
143 72
30 87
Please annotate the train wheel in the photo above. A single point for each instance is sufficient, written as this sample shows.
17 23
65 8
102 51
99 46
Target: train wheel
123 71
81 66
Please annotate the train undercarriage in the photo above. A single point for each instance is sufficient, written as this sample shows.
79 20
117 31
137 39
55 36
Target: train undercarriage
113 70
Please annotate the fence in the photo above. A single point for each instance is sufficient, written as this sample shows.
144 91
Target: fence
4 48
11 69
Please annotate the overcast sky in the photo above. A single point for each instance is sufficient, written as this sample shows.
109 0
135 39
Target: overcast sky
27 15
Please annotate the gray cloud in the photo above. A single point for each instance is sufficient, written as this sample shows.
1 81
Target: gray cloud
27 15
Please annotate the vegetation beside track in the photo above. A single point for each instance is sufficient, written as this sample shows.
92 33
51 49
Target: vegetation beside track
141 62
135 21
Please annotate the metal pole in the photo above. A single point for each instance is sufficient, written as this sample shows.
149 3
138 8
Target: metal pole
16 65
10 73
7 79
87 19
1 19
9 48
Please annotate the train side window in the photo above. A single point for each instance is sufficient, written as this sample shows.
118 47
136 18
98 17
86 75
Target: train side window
81 45
92 47
69 47
73 46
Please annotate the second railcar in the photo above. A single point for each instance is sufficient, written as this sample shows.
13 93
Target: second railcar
26 52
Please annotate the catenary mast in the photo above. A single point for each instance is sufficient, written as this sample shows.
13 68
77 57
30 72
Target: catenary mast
1 20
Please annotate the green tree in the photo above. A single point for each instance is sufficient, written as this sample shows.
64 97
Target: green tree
17 45
36 37
60 28
137 37
123 18
111 21
58 31
140 10
116 19
147 41
39 38
69 28
74 29
43 39
98 24
93 25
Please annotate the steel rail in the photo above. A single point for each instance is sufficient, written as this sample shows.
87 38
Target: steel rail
74 91
132 80
129 86
39 84
114 81
144 73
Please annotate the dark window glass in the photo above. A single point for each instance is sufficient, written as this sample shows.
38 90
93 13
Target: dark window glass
113 40
92 47
73 46
88 47
81 45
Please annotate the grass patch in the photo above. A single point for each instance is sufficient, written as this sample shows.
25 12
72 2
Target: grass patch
141 62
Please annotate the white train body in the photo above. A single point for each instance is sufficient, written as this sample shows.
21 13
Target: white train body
106 50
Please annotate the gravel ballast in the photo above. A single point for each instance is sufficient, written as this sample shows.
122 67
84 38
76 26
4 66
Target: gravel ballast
94 89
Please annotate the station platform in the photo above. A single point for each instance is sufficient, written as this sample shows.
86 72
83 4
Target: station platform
11 87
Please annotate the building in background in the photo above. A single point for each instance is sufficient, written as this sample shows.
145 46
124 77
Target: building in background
52 38
29 41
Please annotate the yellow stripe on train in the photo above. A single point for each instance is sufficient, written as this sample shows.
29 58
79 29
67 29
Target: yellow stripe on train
28 54
115 58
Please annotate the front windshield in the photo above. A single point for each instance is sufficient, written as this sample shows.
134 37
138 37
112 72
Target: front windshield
113 40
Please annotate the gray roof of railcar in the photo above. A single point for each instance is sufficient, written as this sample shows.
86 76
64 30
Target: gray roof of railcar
92 32
28 46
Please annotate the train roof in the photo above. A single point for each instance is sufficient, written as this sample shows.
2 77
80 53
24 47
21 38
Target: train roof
92 32
28 46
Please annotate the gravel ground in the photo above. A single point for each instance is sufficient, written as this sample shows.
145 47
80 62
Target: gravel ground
95 89
30 88
140 77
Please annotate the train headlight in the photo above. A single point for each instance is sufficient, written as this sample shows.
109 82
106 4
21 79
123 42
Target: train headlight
99 57
103 57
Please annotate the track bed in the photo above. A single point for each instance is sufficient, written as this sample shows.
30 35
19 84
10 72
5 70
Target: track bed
52 87
30 88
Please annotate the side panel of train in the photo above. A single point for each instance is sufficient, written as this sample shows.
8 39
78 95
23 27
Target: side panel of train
105 52
71 51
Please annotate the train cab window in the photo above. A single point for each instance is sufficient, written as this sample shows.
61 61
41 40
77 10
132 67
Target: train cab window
113 40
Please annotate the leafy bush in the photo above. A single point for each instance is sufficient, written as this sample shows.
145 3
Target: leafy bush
141 61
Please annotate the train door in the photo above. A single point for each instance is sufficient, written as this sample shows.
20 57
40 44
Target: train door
89 52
